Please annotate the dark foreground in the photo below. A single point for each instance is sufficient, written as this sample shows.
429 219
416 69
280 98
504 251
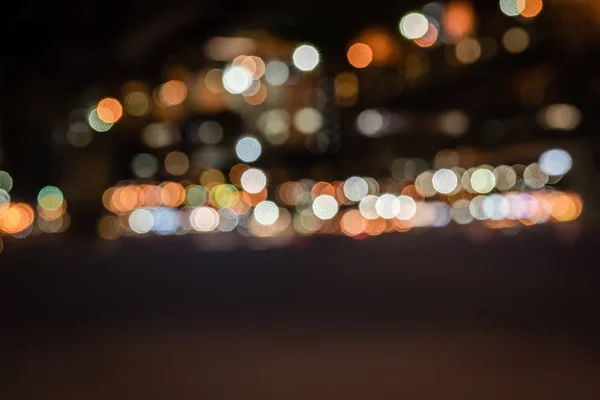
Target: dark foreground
427 315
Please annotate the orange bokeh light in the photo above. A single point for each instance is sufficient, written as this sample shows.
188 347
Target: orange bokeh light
172 194
353 223
360 55
235 174
321 188
16 218
257 98
254 198
532 8
172 93
109 110
459 20
429 38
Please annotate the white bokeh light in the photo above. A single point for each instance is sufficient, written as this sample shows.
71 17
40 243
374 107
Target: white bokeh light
356 188
387 206
408 208
277 73
248 149
366 207
325 206
369 122
555 162
308 120
483 180
306 57
414 25
266 213
141 221
204 219
237 79
445 181
253 180
496 207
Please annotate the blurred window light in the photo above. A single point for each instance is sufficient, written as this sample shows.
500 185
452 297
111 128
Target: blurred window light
4 201
227 48
6 181
50 198
483 180
308 120
446 158
141 221
248 149
166 221
430 38
468 51
445 181
356 188
213 80
495 207
204 219
360 55
306 57
137 104
210 132
96 123
534 177
346 88
387 206
172 93
109 110
564 117
253 180
442 215
79 135
453 123
253 89
266 213
237 79
325 207
476 208
370 122
144 165
275 125
532 8
257 97
413 25
512 8
460 212
367 207
157 135
228 220
276 73
177 163
506 177
212 177
195 196
555 162
458 21
408 208
515 40
424 184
